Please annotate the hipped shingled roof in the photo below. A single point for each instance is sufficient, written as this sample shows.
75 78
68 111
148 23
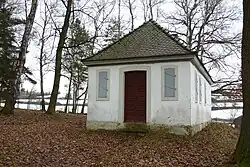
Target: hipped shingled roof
148 43
148 40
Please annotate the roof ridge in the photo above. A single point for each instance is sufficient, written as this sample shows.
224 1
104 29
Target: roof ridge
131 32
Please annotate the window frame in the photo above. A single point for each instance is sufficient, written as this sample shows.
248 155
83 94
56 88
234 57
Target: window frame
163 83
97 85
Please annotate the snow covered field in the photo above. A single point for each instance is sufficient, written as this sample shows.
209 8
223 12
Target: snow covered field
224 114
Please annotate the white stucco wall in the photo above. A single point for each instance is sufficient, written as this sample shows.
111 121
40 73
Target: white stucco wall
200 112
175 112
103 110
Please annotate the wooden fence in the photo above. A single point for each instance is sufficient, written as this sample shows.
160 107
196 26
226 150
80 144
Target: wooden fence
30 102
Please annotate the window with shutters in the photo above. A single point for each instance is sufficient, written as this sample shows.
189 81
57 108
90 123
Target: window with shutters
103 85
169 83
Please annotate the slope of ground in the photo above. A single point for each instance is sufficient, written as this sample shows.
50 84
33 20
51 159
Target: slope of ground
32 138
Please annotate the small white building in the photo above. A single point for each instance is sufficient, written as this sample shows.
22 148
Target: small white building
148 77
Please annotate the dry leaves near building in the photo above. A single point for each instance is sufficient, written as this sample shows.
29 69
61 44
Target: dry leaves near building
31 138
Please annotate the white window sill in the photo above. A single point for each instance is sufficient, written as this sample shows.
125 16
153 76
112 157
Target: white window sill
102 99
169 99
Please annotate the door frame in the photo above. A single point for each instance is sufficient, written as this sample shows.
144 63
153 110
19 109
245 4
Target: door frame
122 89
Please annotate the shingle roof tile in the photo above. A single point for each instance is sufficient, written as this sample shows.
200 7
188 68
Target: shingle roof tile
146 41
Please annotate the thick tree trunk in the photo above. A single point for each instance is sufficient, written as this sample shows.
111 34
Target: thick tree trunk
68 94
25 41
9 105
10 101
242 154
53 98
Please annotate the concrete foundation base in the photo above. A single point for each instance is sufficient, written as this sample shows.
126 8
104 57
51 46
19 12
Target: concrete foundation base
177 129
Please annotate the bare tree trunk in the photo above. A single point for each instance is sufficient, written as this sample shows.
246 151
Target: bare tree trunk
42 91
76 93
242 154
76 102
25 41
145 9
68 94
151 9
84 101
131 14
15 86
119 19
74 99
95 35
8 106
41 65
54 94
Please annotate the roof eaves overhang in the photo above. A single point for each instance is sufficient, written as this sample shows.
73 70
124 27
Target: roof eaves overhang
152 59
197 63
155 59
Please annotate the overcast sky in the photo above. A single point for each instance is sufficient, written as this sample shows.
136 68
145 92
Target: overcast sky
32 62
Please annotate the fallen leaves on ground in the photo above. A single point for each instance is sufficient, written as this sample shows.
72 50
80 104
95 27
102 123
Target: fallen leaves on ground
31 138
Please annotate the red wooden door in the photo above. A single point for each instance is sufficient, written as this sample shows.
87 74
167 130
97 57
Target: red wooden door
135 96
